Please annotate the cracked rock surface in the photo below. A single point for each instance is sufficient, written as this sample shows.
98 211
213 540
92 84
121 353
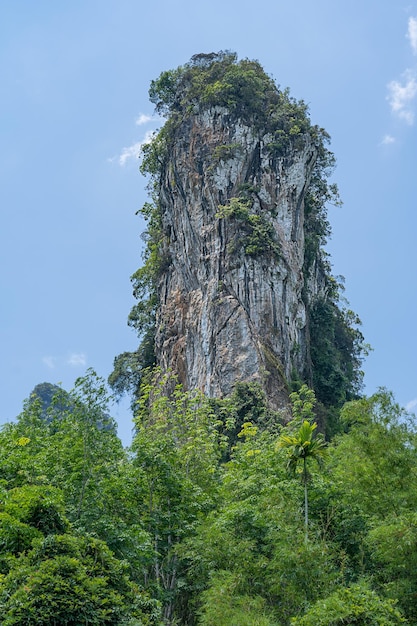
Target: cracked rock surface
226 315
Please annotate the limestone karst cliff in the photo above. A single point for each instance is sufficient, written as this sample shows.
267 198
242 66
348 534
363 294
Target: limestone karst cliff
228 312
235 286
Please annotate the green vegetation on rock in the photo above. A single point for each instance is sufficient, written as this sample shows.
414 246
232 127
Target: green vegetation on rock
256 234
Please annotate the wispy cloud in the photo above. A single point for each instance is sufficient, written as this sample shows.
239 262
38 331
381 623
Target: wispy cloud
143 119
387 140
133 151
410 406
401 96
412 33
77 359
49 361
402 93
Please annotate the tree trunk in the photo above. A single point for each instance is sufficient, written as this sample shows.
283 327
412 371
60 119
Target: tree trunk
305 498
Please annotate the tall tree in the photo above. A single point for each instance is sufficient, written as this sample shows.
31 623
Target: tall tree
302 445
176 454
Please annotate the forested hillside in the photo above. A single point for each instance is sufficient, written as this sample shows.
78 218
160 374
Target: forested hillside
288 498
204 520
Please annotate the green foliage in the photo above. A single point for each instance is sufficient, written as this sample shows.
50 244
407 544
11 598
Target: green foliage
319 195
78 445
15 536
302 404
71 580
357 605
252 544
77 451
215 80
300 445
186 420
367 506
376 458
246 404
177 448
130 368
226 151
38 506
258 233
50 396
249 404
337 348
213 541
223 606
241 87
69 464
393 547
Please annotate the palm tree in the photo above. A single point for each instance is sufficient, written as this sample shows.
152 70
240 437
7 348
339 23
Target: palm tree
301 446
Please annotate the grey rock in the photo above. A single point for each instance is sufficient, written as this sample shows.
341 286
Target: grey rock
226 315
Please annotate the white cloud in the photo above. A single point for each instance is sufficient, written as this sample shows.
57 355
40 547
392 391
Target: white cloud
133 152
49 361
401 96
412 33
411 405
143 119
387 140
77 359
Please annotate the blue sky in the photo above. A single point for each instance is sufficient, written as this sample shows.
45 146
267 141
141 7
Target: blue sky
74 109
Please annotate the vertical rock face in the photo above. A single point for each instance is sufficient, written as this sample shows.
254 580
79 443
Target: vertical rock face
232 303
235 286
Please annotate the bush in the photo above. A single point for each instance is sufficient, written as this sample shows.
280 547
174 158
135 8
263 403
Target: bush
67 580
357 605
